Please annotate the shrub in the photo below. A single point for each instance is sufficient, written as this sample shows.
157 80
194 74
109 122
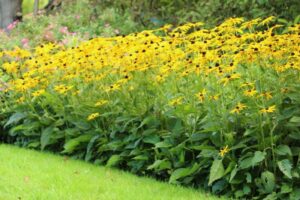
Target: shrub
217 108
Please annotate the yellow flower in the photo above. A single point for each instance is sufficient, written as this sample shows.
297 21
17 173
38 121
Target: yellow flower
269 109
113 87
215 97
229 77
21 99
62 89
38 93
247 84
238 108
93 116
100 102
267 21
176 101
250 92
11 68
267 95
201 95
224 150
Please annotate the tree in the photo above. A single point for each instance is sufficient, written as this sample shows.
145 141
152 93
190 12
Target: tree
10 10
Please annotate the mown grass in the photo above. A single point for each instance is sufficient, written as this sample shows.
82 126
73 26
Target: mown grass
30 175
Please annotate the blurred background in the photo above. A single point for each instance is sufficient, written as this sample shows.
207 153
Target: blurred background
91 18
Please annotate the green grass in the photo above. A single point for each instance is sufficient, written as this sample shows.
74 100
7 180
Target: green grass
30 175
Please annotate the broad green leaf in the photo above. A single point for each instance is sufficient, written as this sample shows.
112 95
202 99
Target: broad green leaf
88 154
239 193
295 135
253 161
233 173
246 189
258 157
150 121
34 144
15 118
286 189
113 160
283 150
183 172
141 157
198 136
46 137
268 181
295 119
174 125
246 163
216 171
163 144
151 139
207 153
218 186
285 167
82 125
160 165
150 132
72 144
202 147
248 177
295 195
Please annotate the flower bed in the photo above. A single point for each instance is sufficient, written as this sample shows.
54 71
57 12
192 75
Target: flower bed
217 108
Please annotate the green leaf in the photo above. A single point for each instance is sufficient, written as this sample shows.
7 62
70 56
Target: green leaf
248 177
72 144
174 125
295 135
295 119
160 165
285 189
246 189
283 150
150 121
82 125
295 195
33 144
15 118
183 172
253 161
151 139
199 136
46 136
89 153
163 144
216 171
141 157
113 160
233 173
285 167
207 153
268 181
258 157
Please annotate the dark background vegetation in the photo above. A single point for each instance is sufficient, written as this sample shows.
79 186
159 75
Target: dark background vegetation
212 12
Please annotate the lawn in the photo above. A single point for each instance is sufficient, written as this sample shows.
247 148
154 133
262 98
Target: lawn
30 175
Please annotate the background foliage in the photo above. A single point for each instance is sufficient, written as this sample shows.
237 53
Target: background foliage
212 12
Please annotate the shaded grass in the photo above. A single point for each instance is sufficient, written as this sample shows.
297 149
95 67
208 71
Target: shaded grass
26 174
